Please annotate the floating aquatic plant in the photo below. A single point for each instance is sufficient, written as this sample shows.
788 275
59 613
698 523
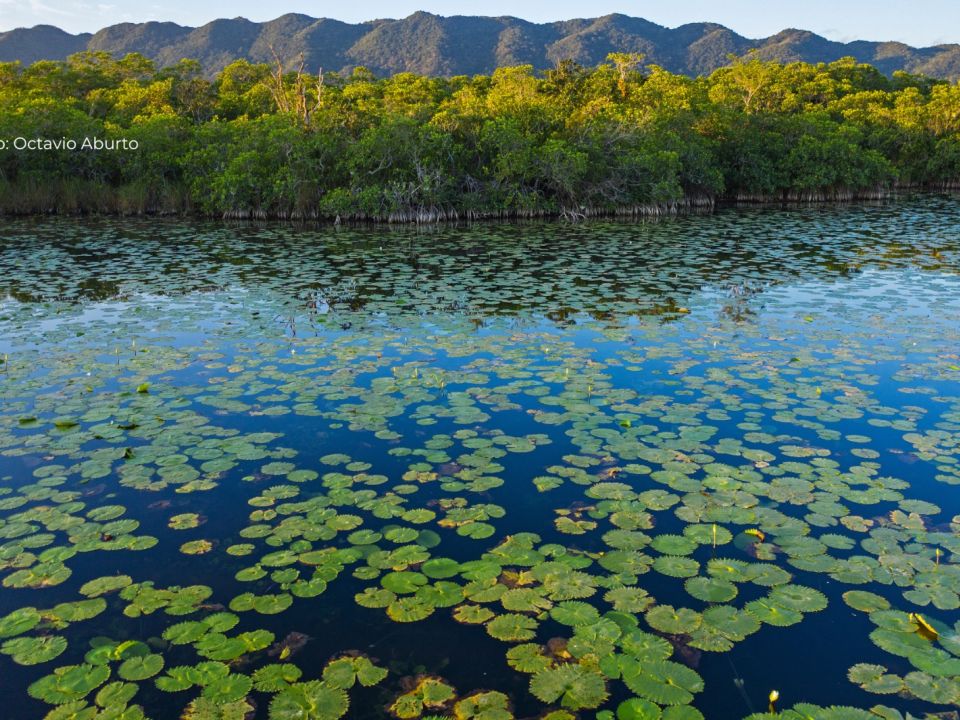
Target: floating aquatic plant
512 627
70 682
34 650
672 621
428 693
638 709
490 705
314 700
572 685
538 469
346 671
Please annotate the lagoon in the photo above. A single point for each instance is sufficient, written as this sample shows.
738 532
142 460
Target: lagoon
544 469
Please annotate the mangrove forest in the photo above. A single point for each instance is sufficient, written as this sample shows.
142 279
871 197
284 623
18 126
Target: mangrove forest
96 134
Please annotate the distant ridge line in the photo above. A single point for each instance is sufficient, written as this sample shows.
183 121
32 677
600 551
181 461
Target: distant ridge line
429 44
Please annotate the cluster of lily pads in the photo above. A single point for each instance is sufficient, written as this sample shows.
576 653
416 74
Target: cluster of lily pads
616 479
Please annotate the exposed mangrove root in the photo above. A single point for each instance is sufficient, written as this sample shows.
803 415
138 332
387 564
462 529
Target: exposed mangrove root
73 199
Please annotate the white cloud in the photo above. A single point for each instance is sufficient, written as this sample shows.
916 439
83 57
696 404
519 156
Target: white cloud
42 9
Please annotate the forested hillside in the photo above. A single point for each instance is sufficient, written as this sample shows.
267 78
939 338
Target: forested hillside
429 44
619 137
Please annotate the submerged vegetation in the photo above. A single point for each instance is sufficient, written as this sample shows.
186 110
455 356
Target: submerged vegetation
618 138
399 482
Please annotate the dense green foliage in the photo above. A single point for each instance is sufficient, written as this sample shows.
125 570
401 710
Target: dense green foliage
576 141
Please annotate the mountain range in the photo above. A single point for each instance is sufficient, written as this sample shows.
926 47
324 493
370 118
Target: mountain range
430 44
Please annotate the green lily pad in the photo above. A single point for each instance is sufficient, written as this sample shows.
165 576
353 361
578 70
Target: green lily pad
638 709
79 609
313 700
490 705
525 600
203 708
196 547
185 633
673 544
512 627
663 682
440 568
672 621
228 689
177 679
875 679
574 613
345 672
274 678
676 566
19 621
799 598
864 601
629 599
116 694
472 614
528 658
410 609
105 585
430 692
71 682
140 668
711 589
941 691
184 521
34 650
403 582
375 598
771 613
573 686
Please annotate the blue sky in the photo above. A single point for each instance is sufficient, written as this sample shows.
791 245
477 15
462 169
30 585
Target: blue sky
917 22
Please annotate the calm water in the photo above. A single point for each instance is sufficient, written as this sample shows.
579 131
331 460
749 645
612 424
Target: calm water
656 458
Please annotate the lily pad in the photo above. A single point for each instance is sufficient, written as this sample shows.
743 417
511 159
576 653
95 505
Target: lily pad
71 682
313 700
141 667
711 589
573 686
512 627
672 621
34 650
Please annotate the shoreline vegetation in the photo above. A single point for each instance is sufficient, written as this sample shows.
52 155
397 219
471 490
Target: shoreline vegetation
257 142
